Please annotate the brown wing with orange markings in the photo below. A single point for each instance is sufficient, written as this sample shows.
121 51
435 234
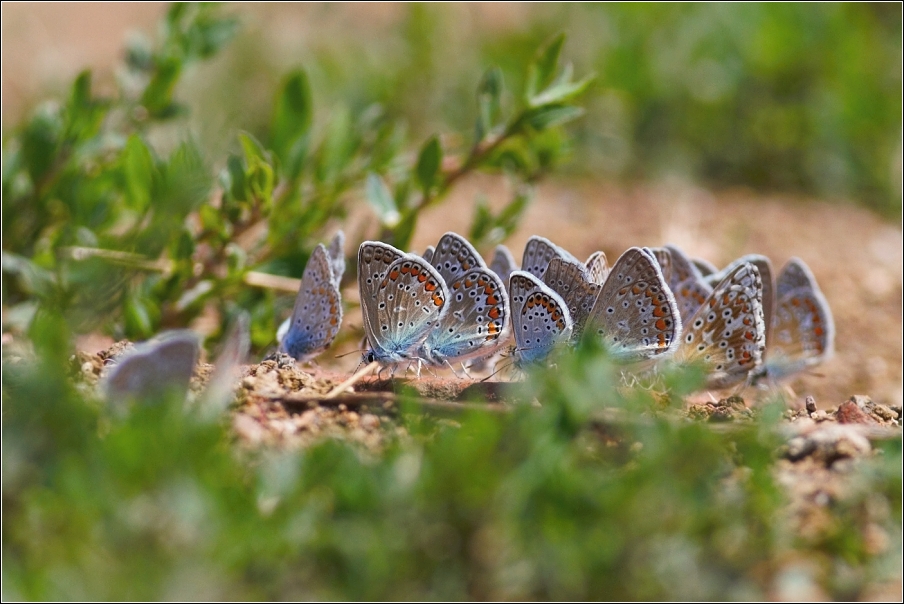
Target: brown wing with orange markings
727 334
636 314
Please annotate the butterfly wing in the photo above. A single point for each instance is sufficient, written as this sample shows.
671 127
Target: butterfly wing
537 254
572 282
337 257
222 383
794 275
686 283
764 266
317 314
540 318
374 258
597 267
705 267
636 314
428 253
803 330
162 365
473 323
727 333
408 303
455 256
503 263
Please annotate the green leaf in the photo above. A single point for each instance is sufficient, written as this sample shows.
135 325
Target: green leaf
489 94
84 114
157 98
253 149
33 278
381 200
428 163
338 147
41 141
542 69
562 92
511 214
236 186
548 116
138 172
482 223
292 119
138 320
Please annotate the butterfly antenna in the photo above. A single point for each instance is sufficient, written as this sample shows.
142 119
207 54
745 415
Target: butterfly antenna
351 381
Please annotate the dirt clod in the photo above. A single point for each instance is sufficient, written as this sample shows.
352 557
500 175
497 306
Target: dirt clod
851 413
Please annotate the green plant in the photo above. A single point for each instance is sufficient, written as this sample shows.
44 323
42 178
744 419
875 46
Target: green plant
101 225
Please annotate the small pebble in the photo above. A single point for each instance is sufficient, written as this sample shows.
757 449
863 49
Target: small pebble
811 405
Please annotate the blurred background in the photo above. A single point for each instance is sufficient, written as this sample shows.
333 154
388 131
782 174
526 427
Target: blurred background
791 98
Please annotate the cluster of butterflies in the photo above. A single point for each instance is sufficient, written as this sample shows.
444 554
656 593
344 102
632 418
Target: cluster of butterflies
448 306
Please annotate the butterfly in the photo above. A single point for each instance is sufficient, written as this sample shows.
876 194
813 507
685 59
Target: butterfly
538 252
336 252
764 266
503 263
476 317
573 283
803 330
684 279
727 333
153 369
317 314
540 318
597 267
704 267
402 298
220 387
635 313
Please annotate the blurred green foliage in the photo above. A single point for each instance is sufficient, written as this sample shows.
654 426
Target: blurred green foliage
550 502
113 216
791 97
